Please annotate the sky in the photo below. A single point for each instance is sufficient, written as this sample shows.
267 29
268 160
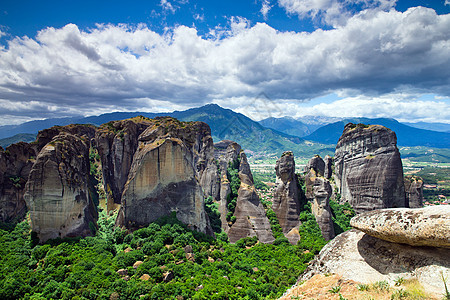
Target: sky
263 58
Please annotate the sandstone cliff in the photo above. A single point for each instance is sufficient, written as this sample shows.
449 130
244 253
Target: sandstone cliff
116 143
164 175
58 192
314 168
286 204
414 191
368 168
321 207
15 166
251 219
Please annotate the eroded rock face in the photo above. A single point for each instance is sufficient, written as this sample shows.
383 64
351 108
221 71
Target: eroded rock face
428 226
15 166
328 172
368 168
226 152
314 168
286 203
358 256
164 175
117 142
58 191
414 191
251 219
321 207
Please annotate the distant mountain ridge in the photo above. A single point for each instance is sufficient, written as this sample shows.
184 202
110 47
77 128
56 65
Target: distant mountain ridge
272 135
224 124
406 135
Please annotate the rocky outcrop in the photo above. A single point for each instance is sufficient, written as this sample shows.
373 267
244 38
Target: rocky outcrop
314 168
357 256
368 168
15 166
328 171
117 142
226 153
428 226
286 204
321 208
58 193
414 191
251 219
164 175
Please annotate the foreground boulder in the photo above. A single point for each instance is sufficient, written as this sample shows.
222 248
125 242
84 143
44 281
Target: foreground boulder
357 256
368 168
429 226
58 192
164 175
286 204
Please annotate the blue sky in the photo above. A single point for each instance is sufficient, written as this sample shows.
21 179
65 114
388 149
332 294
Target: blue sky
339 58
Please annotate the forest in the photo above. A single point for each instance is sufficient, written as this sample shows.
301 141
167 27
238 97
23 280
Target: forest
165 260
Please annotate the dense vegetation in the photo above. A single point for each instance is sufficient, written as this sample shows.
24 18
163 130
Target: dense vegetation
87 268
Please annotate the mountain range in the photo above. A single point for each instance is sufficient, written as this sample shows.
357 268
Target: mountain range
272 136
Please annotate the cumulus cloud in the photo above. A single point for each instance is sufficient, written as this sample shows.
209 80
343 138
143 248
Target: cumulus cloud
133 68
333 12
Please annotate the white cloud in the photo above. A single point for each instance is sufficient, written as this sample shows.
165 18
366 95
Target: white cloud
167 6
199 17
397 106
265 8
447 2
333 12
128 68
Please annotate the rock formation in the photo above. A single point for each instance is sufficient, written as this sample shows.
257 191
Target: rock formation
321 208
15 166
117 142
286 204
414 191
164 175
251 219
226 153
428 226
328 172
58 193
368 168
314 168
357 256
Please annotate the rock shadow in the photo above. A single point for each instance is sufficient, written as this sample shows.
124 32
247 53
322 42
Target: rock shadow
387 257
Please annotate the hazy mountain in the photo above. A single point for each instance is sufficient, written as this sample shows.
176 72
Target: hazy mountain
289 126
443 127
406 135
21 137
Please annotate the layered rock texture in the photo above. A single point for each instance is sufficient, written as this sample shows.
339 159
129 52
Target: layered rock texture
164 175
357 256
414 191
251 219
314 168
428 226
286 204
15 166
58 193
368 168
328 171
321 207
117 142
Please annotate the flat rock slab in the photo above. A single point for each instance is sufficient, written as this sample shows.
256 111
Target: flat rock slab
428 226
357 256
